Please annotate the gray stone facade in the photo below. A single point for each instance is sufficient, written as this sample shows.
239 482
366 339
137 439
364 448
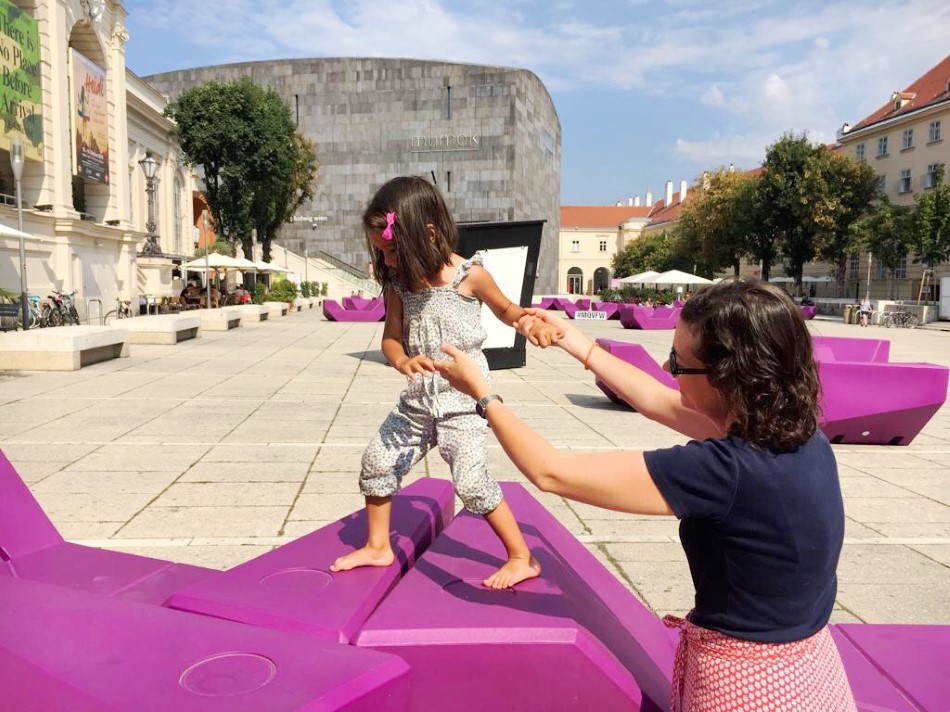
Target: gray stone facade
489 135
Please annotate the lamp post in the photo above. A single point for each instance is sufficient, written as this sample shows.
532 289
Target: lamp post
16 160
204 221
306 265
867 294
150 167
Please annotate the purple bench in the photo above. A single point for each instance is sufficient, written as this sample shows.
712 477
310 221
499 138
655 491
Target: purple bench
583 304
334 312
638 356
291 589
70 650
612 309
31 548
574 638
634 316
355 302
809 312
879 403
844 348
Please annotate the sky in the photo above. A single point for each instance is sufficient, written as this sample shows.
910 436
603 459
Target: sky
646 90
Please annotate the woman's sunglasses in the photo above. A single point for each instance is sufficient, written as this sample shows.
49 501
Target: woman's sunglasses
676 370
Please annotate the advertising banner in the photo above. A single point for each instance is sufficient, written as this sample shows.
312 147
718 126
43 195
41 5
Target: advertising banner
21 101
90 119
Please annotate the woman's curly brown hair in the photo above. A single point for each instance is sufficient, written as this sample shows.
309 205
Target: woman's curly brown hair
753 339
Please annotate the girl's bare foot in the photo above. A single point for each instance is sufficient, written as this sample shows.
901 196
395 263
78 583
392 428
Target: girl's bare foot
514 572
367 556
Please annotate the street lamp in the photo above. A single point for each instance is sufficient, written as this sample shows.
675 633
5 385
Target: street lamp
16 160
867 294
150 167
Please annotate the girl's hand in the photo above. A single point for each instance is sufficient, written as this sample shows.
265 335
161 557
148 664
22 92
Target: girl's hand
569 337
414 366
536 331
462 372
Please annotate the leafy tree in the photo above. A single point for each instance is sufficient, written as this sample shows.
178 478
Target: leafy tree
243 138
719 219
222 247
930 223
659 252
845 190
885 232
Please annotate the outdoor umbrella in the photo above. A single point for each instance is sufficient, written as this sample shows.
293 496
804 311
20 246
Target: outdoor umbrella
219 261
639 278
270 267
6 231
675 276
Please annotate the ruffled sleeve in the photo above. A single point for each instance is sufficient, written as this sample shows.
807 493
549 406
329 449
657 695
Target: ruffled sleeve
462 271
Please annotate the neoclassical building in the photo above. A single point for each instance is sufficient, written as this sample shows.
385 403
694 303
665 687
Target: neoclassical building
85 124
488 136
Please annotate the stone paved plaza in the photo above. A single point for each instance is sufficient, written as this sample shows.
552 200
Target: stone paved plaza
215 450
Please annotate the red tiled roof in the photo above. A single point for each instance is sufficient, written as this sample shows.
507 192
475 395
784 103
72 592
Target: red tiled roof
599 215
928 89
667 213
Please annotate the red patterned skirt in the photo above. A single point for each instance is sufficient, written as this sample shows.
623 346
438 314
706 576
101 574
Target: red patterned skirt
715 672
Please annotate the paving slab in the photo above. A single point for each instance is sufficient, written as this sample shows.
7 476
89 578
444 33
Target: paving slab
216 449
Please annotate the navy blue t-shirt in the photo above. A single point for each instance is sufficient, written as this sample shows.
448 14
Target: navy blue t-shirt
762 533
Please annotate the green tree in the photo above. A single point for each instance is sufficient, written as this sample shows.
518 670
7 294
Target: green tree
885 232
659 252
718 221
243 138
845 190
930 223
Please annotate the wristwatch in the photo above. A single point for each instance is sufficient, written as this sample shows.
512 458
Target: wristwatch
482 403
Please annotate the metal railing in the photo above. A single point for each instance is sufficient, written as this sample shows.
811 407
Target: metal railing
347 272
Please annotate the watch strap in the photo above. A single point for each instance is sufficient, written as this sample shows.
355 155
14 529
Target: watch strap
482 403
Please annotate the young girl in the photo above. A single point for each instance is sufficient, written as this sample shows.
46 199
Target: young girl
433 296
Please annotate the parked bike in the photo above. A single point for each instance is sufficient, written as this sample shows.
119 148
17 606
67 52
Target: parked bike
63 311
123 310
35 314
899 319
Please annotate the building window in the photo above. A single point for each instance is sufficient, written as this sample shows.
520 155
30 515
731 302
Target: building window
882 184
930 177
575 245
934 134
907 139
575 281
179 215
547 142
859 152
448 102
903 185
854 266
900 272
882 146
448 181
603 245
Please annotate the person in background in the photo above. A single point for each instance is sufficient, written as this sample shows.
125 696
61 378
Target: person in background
865 310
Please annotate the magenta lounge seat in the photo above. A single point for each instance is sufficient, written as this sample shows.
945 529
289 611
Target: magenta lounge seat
356 302
545 303
334 312
290 588
636 355
634 316
64 649
809 312
612 309
879 403
32 549
845 348
573 639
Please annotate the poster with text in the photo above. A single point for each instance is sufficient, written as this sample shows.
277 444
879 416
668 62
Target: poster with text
21 99
90 119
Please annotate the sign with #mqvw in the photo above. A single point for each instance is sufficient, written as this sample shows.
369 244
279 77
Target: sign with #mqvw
590 315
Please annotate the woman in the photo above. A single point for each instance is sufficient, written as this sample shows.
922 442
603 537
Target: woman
756 490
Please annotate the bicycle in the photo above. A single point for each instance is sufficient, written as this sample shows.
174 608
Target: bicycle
38 313
123 310
63 310
899 319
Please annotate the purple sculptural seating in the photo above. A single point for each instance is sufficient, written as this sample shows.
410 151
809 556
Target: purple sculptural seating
612 309
334 312
638 356
574 638
98 653
545 303
809 312
32 549
357 302
291 589
843 348
583 304
634 316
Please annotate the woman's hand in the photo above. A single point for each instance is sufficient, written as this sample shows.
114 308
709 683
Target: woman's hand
462 373
570 337
413 366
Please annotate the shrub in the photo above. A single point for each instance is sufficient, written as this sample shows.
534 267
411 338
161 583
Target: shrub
283 291
260 294
305 289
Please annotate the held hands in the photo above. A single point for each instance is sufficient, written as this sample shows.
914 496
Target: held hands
462 373
414 366
537 331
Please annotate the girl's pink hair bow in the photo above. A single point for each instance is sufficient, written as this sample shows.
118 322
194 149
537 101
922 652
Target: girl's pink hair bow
387 234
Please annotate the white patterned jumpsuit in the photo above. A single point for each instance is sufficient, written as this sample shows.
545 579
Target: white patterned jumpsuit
430 412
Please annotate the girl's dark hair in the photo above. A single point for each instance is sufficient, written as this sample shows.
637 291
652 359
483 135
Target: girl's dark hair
753 339
417 203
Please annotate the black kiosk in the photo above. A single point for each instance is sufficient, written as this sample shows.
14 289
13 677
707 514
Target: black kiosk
510 252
